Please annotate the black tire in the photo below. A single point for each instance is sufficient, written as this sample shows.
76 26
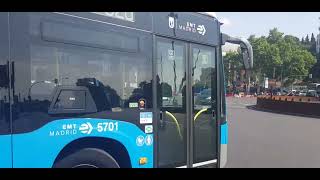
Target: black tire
87 158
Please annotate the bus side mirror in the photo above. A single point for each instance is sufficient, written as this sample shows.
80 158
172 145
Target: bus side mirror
246 48
247 53
245 57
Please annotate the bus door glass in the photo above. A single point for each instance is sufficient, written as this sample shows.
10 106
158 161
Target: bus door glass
204 103
171 91
173 85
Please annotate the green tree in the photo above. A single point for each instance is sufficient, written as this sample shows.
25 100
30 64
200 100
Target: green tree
300 64
232 64
313 40
265 56
274 35
280 57
291 39
315 71
307 39
277 55
313 45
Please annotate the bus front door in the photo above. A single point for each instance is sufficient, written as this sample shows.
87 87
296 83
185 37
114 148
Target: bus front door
171 97
204 105
186 103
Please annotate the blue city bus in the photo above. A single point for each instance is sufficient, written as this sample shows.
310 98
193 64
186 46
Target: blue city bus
113 89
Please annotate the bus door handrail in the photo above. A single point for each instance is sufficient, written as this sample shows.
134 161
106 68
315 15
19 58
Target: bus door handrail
198 113
176 122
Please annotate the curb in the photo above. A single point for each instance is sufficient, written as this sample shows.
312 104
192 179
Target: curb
254 107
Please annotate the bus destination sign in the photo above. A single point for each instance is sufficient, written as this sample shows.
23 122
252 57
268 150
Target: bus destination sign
126 16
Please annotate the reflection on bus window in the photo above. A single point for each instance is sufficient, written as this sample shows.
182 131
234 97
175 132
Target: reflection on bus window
172 74
172 94
121 78
204 86
202 71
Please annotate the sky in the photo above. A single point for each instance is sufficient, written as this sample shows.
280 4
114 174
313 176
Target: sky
244 24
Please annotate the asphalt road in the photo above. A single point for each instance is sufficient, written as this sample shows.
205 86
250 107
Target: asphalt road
263 140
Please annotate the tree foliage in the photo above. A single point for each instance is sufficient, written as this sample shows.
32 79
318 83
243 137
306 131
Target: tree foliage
280 56
311 47
232 62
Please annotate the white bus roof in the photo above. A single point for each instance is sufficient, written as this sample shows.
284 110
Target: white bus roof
211 14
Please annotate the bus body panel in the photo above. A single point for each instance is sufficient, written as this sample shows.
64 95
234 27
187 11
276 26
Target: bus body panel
40 41
38 137
223 144
224 133
5 123
187 26
40 148
5 154
223 122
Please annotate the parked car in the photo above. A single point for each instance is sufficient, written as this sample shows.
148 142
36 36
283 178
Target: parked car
312 93
204 97
303 93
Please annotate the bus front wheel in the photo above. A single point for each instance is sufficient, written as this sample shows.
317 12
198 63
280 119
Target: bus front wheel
87 158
